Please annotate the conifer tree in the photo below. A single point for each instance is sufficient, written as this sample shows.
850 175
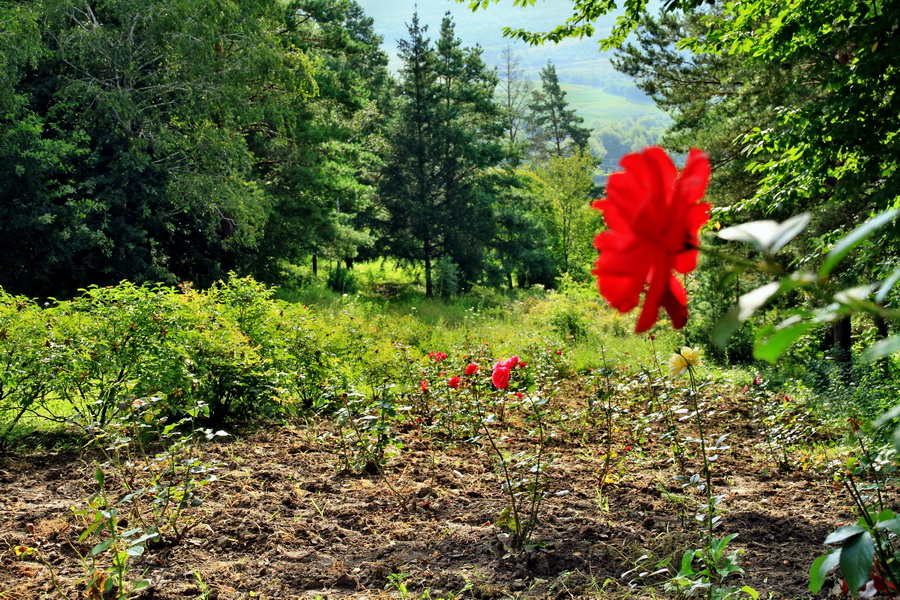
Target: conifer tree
446 136
555 128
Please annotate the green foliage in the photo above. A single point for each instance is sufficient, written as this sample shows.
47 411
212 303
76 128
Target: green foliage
436 188
27 359
707 577
580 24
341 280
113 344
169 141
563 187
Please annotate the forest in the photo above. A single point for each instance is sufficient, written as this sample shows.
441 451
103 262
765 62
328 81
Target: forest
278 320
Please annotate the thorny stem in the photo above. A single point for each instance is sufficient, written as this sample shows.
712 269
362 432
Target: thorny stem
880 481
536 493
677 450
609 431
710 506
769 266
672 427
503 466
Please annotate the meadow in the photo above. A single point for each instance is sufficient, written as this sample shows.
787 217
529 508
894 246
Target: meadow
246 442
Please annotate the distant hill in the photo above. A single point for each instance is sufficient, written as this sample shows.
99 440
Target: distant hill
596 90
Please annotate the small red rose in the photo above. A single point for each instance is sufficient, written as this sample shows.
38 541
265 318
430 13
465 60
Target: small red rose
500 376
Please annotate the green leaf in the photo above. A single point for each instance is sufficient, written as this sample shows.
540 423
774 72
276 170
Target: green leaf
767 236
98 475
885 515
747 304
750 592
842 533
98 520
886 417
771 342
821 567
855 297
891 525
141 584
887 285
750 302
857 558
882 348
102 546
853 239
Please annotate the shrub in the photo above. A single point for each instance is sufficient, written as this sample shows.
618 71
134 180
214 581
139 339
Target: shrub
341 280
27 360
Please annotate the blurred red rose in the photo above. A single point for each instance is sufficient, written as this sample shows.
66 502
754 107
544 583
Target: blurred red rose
653 216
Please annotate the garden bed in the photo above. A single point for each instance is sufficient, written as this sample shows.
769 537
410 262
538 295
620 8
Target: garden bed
285 520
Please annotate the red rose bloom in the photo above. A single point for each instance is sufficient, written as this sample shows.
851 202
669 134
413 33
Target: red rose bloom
471 369
500 376
453 381
424 386
653 216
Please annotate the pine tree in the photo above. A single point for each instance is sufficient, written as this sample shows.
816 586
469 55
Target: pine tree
555 128
445 137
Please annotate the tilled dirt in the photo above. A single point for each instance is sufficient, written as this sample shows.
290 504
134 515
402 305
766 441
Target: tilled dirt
285 520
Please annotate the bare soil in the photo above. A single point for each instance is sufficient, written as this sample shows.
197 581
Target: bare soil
285 521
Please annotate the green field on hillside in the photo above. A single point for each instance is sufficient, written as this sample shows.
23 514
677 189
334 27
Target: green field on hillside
594 104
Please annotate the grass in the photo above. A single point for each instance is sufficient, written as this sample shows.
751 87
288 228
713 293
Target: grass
575 321
593 104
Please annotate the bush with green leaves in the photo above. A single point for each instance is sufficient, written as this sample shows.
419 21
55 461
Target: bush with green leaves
224 369
114 344
27 361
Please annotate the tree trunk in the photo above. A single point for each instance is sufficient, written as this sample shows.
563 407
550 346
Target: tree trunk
429 285
842 339
315 264
882 326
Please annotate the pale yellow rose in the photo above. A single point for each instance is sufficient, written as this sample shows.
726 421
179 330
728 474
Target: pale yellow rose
681 361
691 355
677 365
